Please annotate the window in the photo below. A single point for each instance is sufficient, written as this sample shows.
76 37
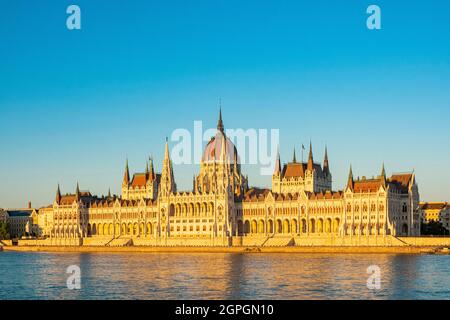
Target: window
405 208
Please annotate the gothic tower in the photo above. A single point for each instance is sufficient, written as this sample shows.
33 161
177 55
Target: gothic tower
167 184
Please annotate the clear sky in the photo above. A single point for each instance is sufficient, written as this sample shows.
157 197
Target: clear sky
75 104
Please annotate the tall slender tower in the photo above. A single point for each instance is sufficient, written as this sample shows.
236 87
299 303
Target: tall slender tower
167 185
350 181
58 195
310 158
77 192
126 175
383 176
276 177
326 165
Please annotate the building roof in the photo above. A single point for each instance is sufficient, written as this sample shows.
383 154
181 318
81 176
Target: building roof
220 147
297 170
68 198
294 170
139 180
367 185
214 148
433 205
401 181
255 193
397 182
19 212
325 195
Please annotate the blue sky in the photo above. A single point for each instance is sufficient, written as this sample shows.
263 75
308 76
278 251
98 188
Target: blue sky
75 104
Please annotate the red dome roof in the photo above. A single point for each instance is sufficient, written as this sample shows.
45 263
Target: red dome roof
213 150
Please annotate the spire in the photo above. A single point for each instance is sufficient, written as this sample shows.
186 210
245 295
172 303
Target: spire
77 192
146 169
126 175
167 179
58 195
151 169
294 158
109 192
310 158
326 166
383 175
277 170
166 152
220 122
350 182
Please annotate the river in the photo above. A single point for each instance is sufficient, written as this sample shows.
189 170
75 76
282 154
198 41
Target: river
192 276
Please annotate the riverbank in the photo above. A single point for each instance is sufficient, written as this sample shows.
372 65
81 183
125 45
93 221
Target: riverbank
136 249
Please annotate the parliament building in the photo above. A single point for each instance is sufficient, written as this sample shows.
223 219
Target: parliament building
223 210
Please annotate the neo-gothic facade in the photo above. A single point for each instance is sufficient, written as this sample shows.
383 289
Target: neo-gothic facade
222 205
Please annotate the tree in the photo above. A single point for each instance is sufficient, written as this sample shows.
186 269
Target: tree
4 231
433 228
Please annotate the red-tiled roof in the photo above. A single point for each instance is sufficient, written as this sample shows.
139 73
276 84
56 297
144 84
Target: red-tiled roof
294 170
297 169
364 185
402 179
139 180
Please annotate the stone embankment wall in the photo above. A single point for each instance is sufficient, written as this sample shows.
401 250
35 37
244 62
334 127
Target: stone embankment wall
256 241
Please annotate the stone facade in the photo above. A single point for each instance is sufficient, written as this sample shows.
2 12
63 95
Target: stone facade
222 207
20 221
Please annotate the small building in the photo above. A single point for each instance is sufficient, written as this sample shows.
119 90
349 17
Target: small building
437 212
20 222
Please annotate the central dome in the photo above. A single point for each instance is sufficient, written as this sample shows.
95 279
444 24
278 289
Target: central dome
214 148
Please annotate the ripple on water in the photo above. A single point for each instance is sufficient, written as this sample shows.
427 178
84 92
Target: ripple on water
223 276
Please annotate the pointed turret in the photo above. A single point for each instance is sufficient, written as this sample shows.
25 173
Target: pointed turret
294 158
310 158
220 122
166 151
167 179
151 169
326 166
383 176
277 170
77 192
109 192
126 175
58 195
350 182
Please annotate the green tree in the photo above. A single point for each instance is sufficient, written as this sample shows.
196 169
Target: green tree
4 231
433 228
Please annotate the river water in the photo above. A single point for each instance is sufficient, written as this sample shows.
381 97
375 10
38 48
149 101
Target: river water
195 276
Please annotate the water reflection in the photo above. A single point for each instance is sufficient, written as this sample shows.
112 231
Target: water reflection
223 276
